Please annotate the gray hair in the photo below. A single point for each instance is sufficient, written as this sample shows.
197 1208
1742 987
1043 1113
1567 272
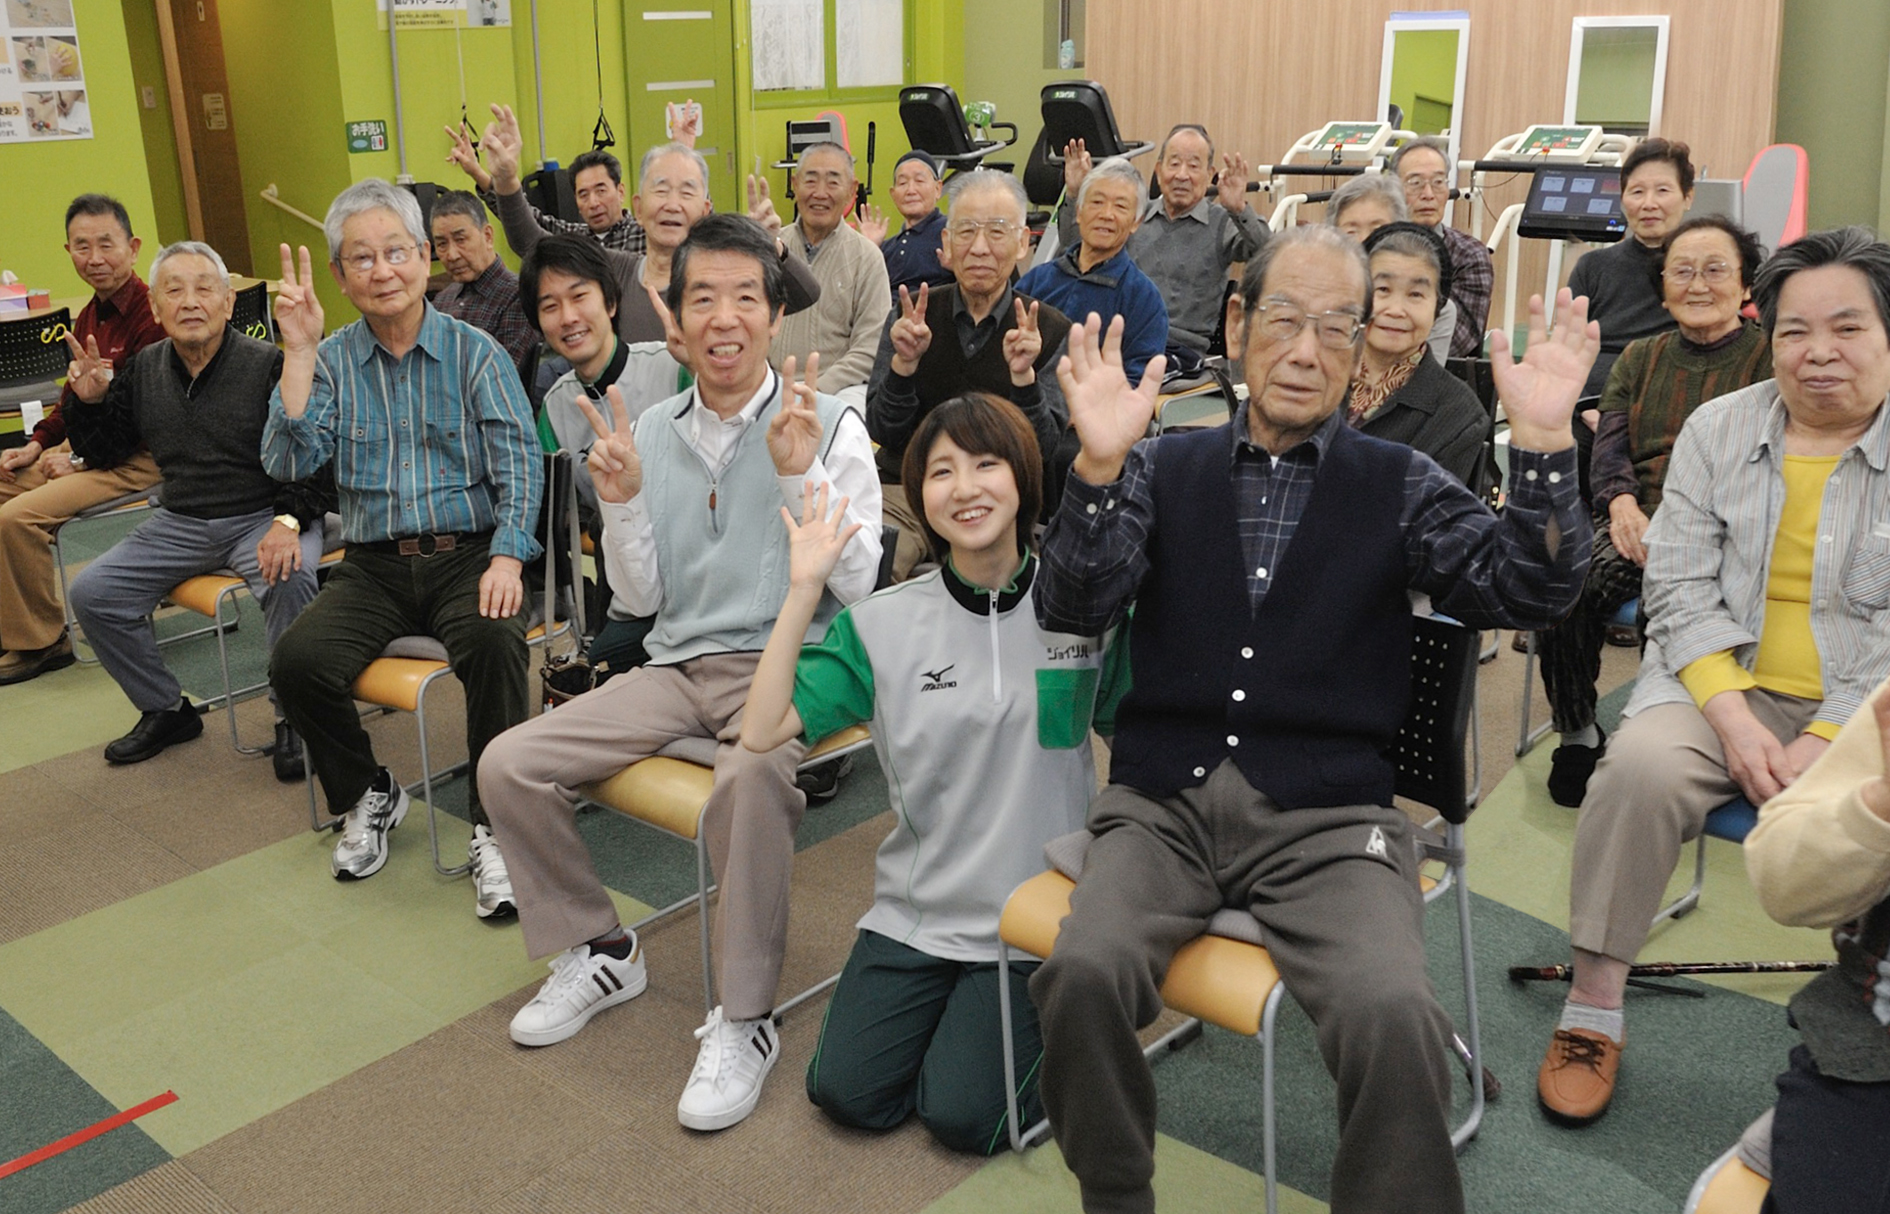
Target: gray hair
1253 282
1422 141
373 194
825 145
1855 247
989 181
1368 185
674 149
1161 153
463 203
191 248
1116 168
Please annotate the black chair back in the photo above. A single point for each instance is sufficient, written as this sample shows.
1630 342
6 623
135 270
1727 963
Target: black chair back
251 313
934 120
33 348
1432 766
553 192
1043 181
1079 109
1480 375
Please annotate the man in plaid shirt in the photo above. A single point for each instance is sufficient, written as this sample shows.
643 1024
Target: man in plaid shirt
484 291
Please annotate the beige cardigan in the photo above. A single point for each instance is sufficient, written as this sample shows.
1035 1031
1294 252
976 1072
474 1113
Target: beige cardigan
855 295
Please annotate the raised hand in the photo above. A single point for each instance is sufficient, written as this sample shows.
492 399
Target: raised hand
89 373
816 542
1023 344
298 311
761 207
1076 166
1109 414
672 332
466 156
504 145
1539 393
794 434
1233 187
873 223
911 336
616 469
685 122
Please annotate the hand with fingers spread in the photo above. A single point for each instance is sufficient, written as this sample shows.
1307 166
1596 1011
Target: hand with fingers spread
911 336
502 588
794 434
1076 166
1233 185
1023 344
816 542
873 223
466 157
1110 416
89 374
15 458
1539 393
298 310
616 469
761 207
504 145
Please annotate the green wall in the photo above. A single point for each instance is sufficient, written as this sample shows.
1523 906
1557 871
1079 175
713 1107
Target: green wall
44 176
1617 80
160 137
1833 99
1425 65
1006 66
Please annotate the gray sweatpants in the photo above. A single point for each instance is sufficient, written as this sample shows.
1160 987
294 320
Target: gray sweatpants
1335 890
113 597
528 782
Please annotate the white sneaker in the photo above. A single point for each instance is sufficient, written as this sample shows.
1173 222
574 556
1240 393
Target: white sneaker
492 885
736 1055
363 846
582 984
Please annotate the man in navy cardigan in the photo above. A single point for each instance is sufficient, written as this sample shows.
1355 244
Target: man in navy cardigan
1271 563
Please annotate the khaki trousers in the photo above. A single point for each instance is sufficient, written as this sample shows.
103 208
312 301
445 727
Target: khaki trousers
529 779
30 508
1659 778
912 547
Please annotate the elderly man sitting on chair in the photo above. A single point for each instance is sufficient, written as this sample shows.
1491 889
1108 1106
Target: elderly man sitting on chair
197 400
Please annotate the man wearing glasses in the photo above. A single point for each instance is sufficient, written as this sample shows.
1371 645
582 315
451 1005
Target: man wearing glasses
1270 561
977 335
1422 167
440 479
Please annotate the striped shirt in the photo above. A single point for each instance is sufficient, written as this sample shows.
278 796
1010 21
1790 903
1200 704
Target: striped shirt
439 440
1709 551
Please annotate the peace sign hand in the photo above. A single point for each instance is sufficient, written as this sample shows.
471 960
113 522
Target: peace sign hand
466 156
1109 415
298 311
816 542
672 332
89 374
504 144
1539 393
1233 187
616 469
761 207
794 434
911 336
1023 344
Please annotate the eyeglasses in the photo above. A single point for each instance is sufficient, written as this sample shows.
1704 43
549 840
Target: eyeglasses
1714 272
1282 321
1427 185
996 231
363 263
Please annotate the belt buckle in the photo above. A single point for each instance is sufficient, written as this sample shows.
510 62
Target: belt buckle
418 545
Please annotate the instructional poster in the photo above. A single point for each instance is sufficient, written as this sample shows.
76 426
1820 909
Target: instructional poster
446 14
42 73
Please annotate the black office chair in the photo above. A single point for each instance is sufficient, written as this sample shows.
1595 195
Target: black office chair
935 123
1043 182
33 357
553 193
251 313
1079 109
425 193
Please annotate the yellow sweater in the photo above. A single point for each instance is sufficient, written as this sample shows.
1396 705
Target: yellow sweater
1787 661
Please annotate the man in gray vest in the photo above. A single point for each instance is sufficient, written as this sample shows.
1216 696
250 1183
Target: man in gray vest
198 399
692 498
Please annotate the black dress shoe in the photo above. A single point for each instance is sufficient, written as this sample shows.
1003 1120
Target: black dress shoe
287 755
1569 770
155 731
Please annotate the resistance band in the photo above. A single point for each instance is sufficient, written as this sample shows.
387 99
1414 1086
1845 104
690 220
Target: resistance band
601 136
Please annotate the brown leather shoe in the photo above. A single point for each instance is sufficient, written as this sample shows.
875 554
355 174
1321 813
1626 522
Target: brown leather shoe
1576 1081
23 664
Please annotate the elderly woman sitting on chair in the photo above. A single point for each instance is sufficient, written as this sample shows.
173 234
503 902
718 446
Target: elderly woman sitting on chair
1768 600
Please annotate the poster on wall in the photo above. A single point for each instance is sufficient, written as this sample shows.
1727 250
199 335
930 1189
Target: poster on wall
446 14
42 73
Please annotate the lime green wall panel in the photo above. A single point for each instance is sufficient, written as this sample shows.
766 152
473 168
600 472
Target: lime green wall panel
160 137
1425 66
1004 63
1833 100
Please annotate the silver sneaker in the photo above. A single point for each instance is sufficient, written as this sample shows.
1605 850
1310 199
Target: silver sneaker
492 885
582 984
736 1055
363 846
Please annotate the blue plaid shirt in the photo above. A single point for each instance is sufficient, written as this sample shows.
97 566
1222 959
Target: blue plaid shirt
440 440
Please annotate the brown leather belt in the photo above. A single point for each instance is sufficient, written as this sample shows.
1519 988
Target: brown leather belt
418 545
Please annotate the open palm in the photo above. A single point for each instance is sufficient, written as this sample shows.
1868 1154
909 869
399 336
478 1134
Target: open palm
1540 391
1110 415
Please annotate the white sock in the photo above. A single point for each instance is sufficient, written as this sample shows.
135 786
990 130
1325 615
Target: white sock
1590 736
1609 1022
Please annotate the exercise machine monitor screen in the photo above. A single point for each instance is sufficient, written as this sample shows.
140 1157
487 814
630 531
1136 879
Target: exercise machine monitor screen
1574 202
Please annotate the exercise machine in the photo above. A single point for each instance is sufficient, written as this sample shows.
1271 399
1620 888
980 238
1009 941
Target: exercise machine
1337 149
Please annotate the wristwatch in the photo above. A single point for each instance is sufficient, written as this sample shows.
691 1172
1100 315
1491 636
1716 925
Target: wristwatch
291 522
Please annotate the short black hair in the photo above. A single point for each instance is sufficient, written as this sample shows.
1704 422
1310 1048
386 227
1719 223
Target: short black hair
729 233
594 159
1855 247
459 202
580 257
99 204
981 424
1672 151
1751 252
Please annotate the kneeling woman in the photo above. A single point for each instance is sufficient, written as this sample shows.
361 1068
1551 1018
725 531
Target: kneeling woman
981 721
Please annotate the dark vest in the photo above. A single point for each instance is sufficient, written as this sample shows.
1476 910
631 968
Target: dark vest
1307 694
945 372
208 448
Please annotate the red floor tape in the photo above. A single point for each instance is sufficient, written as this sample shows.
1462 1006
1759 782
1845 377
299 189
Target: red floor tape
87 1134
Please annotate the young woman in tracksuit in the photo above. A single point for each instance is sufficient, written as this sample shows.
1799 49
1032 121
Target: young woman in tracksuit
981 722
